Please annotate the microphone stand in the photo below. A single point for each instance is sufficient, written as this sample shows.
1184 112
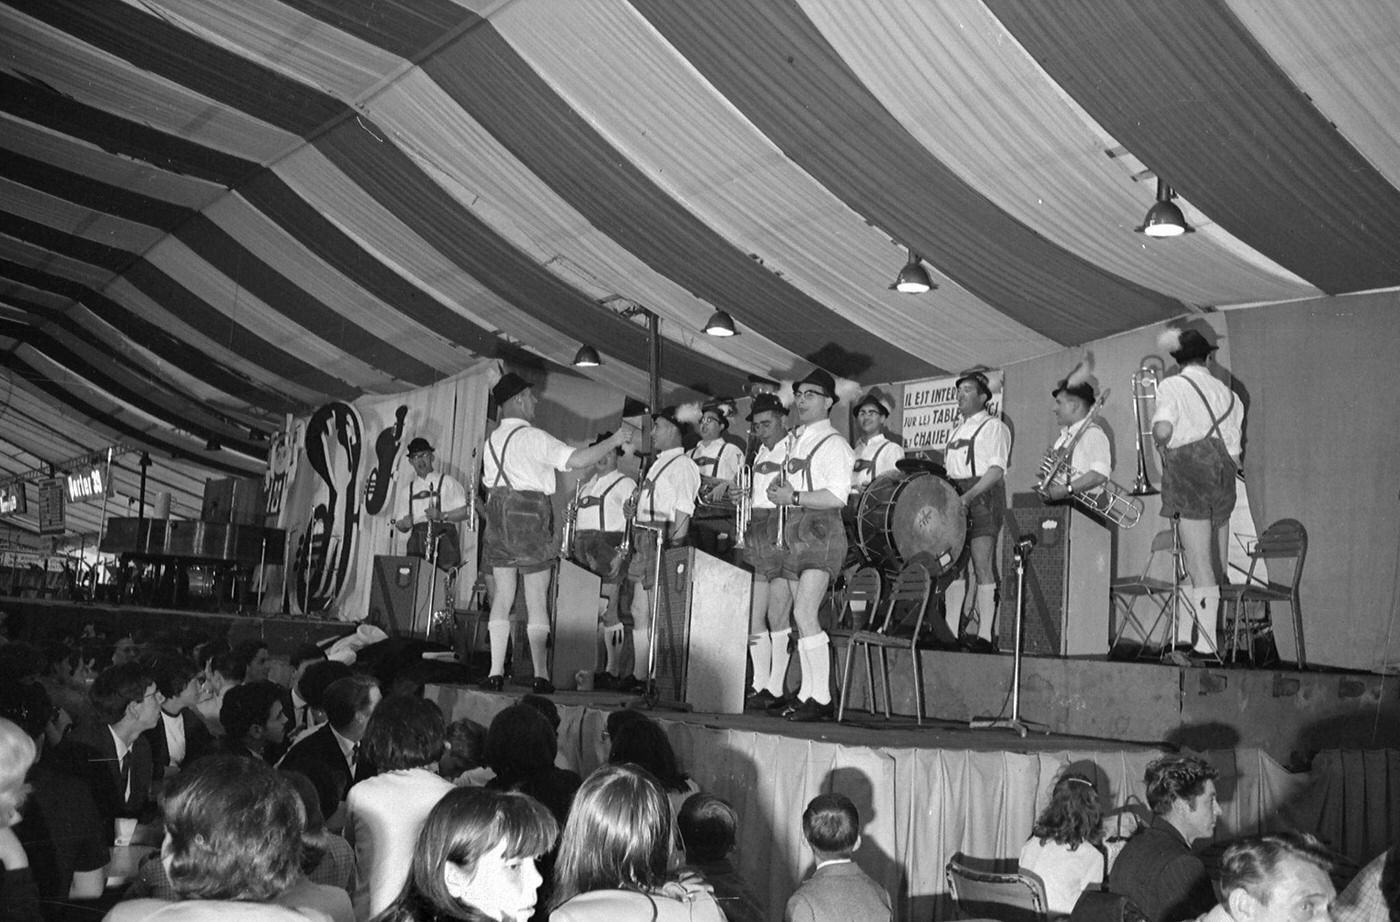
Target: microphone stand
1024 546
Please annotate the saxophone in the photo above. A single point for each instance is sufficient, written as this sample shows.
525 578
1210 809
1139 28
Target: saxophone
566 533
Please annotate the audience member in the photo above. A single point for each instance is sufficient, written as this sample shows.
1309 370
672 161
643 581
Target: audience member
233 831
255 658
384 813
1064 845
111 755
463 762
61 831
1373 894
1157 869
127 649
329 756
301 659
316 678
181 736
520 748
838 890
615 855
223 671
22 661
708 828
1283 877
326 858
475 859
643 742
19 898
545 707
254 720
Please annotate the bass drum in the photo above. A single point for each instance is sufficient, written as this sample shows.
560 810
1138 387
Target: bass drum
907 516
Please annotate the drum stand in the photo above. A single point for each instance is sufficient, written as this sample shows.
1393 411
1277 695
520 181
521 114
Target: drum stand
1014 722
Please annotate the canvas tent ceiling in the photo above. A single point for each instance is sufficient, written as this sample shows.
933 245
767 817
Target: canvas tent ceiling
217 213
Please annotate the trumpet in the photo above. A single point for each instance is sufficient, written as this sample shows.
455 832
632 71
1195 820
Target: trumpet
1108 500
743 505
629 517
470 521
780 515
566 532
1145 381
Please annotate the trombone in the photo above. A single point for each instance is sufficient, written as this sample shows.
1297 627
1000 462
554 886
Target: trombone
1145 380
1108 499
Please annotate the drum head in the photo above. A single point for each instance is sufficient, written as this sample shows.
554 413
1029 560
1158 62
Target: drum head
928 523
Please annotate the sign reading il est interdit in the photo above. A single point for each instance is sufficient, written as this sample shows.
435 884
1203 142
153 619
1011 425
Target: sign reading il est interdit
930 413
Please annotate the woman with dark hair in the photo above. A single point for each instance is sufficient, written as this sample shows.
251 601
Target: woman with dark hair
1064 847
643 742
475 859
403 742
616 855
232 838
520 748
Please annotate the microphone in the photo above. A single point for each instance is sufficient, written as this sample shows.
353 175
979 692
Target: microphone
1026 543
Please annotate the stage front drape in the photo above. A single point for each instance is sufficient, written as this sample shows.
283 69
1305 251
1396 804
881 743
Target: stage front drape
921 806
1322 445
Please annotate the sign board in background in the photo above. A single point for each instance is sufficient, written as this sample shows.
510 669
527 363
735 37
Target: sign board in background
13 500
88 482
51 517
930 413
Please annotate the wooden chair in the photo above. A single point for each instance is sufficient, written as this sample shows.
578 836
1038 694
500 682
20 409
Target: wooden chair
1154 591
1284 544
901 628
860 603
995 889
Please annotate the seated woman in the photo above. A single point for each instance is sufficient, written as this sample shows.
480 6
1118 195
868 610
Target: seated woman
475 859
384 814
615 856
1064 845
643 742
232 849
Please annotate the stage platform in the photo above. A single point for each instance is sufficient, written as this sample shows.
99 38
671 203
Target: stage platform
928 792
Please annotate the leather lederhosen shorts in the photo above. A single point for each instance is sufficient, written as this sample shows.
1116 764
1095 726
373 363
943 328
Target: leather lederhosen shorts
519 530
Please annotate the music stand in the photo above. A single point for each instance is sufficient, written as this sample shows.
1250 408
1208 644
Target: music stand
651 697
1023 548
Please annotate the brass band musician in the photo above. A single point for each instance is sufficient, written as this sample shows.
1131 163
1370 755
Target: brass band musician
599 525
1090 463
430 508
719 458
876 453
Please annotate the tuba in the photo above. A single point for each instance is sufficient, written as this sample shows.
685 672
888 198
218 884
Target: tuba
1145 381
566 533
743 505
1108 499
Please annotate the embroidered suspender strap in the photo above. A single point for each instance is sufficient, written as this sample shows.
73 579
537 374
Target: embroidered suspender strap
972 444
500 459
875 461
1214 423
650 485
603 507
807 469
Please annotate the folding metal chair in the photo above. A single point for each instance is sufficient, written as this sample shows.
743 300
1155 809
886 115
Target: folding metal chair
859 605
1285 545
901 628
1163 595
995 889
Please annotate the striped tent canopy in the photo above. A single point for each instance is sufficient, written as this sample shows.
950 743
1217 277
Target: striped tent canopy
218 213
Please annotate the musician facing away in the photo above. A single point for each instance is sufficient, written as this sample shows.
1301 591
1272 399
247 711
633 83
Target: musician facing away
770 609
518 471
1090 462
978 453
665 500
1198 426
817 482
598 530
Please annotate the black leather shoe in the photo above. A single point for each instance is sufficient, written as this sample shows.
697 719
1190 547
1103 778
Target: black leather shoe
630 685
605 681
493 683
810 711
781 705
759 700
541 686
978 645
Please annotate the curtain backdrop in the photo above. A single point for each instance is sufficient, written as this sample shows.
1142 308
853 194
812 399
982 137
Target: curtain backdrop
921 806
1323 446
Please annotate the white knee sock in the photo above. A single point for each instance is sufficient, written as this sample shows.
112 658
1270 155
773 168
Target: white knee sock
777 671
1206 599
760 658
986 609
953 604
815 655
613 636
499 632
641 640
539 649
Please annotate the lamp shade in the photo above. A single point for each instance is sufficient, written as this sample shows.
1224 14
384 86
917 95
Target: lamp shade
587 357
1164 218
720 324
913 278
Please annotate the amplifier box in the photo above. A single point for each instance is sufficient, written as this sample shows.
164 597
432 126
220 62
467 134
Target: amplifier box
1066 580
702 632
235 500
400 596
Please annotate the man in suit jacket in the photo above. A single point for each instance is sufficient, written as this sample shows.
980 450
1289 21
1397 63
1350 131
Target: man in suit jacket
838 890
329 755
111 753
180 736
